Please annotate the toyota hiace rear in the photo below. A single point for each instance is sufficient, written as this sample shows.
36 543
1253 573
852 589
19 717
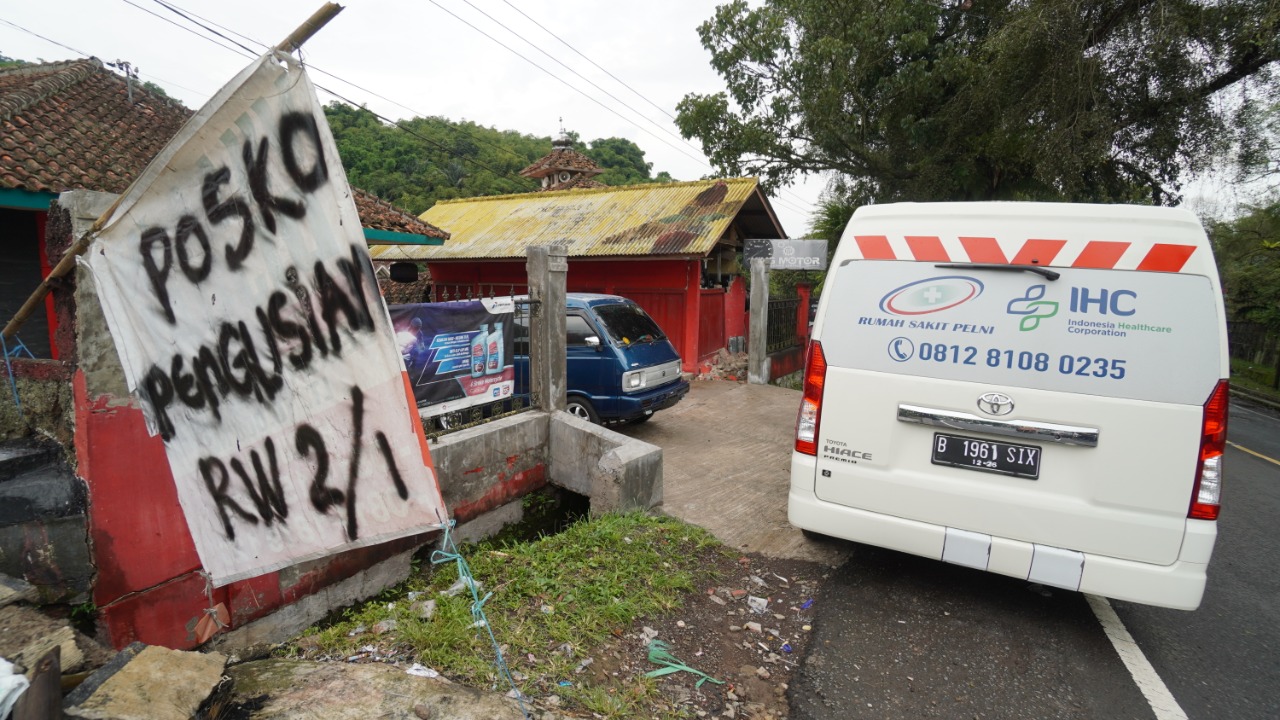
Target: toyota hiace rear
1036 390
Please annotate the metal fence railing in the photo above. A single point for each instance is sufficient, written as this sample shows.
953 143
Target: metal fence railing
445 292
782 330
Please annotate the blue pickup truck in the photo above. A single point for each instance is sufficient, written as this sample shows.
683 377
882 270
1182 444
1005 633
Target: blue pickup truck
621 366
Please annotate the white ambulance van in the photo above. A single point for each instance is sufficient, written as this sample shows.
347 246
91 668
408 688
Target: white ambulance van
1032 389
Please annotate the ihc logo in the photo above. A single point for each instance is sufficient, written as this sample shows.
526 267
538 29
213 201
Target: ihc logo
994 403
1033 307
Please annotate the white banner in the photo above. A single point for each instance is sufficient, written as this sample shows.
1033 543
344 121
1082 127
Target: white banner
237 286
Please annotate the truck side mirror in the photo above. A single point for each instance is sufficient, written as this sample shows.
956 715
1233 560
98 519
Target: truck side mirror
592 341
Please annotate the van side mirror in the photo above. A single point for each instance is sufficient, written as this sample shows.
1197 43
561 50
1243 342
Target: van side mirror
592 341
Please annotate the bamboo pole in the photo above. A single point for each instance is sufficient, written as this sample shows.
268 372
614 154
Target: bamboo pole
291 43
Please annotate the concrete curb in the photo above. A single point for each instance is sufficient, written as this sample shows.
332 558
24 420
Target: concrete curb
1254 397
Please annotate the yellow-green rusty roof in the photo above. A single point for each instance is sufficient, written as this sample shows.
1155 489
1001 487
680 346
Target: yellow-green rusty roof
683 218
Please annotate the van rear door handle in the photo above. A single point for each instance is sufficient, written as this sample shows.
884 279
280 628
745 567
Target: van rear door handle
1023 429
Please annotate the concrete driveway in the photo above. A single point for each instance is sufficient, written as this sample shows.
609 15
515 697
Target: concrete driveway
726 463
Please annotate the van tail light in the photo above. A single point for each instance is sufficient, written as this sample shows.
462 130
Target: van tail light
1207 494
815 376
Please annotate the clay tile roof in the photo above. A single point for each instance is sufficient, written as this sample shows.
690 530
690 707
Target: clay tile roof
379 214
562 159
70 126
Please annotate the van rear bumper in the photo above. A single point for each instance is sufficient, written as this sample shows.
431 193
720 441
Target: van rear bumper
1179 586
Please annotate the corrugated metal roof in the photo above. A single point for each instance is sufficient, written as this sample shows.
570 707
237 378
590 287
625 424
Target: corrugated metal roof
685 218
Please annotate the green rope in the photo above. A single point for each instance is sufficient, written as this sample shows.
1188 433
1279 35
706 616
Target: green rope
448 552
660 654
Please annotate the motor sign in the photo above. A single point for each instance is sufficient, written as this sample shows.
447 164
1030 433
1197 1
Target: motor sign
1145 336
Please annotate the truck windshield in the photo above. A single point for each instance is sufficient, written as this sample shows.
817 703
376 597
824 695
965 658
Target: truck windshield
628 324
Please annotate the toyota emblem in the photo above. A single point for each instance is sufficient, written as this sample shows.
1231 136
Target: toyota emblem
994 403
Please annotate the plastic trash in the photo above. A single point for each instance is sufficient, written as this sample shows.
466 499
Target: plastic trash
660 654
419 670
807 604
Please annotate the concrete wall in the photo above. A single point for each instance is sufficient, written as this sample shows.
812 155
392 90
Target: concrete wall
149 584
615 471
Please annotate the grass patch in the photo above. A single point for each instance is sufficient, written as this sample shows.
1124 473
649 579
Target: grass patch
1254 377
554 600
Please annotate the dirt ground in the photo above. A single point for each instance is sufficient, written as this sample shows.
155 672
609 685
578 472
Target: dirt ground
749 629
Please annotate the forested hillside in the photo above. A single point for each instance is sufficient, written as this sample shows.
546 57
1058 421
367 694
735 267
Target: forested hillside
430 159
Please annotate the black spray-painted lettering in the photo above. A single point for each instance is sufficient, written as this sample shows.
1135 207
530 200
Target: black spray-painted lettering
231 365
268 204
294 131
217 211
290 125
158 274
266 492
208 467
188 226
269 496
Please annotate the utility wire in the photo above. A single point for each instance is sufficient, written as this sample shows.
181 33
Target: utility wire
554 76
243 50
533 45
89 55
520 184
620 82
189 15
36 34
593 62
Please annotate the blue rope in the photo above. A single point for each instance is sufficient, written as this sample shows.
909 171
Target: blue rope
449 552
13 381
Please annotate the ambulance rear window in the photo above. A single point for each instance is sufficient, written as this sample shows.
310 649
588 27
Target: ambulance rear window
1139 335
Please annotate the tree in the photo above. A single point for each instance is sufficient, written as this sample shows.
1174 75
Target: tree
1248 253
1084 100
417 162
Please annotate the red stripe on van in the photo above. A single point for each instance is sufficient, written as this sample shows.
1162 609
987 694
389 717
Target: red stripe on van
984 250
1101 254
927 248
1038 252
875 247
1166 258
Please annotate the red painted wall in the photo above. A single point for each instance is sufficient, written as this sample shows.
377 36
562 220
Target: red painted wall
668 289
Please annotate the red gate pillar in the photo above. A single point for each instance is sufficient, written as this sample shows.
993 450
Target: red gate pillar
804 291
692 316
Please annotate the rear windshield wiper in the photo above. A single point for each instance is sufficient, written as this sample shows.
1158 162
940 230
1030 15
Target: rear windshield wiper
1046 272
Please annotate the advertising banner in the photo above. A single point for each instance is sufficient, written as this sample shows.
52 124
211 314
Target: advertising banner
237 287
458 354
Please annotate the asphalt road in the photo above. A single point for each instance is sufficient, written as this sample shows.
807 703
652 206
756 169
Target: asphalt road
1223 660
898 636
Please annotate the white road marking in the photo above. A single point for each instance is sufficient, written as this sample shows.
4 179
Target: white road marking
1152 687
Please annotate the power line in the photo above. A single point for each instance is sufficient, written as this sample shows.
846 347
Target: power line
555 77
185 13
580 75
192 18
251 53
620 82
593 62
36 34
190 15
89 55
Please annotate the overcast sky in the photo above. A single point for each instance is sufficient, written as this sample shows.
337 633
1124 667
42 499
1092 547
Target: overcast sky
424 59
